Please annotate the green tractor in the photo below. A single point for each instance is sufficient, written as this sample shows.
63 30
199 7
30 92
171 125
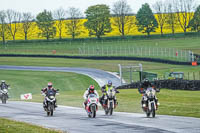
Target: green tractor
174 75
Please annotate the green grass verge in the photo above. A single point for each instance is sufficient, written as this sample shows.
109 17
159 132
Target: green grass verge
33 81
10 126
72 47
72 87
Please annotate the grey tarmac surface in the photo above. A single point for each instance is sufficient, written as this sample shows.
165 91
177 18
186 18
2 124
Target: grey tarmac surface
100 76
75 120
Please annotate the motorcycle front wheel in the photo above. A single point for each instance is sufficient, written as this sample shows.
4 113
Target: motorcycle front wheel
4 99
93 111
153 110
111 108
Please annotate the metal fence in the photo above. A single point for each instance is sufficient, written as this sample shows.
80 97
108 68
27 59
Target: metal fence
152 52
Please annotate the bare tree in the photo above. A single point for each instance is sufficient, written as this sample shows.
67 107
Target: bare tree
28 25
3 26
60 15
161 11
74 23
14 19
123 19
184 10
171 16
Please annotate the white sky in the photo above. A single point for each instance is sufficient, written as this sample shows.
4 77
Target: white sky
36 6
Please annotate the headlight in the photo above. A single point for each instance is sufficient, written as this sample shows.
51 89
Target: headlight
5 91
51 97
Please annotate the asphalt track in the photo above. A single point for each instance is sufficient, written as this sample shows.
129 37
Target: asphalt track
75 120
100 76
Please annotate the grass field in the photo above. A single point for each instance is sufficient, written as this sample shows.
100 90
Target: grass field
10 126
107 65
30 81
72 48
72 87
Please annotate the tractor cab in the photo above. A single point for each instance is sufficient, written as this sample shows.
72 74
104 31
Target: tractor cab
175 75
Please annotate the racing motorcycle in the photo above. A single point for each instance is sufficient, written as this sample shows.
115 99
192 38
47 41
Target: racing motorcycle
151 106
92 105
50 100
4 95
109 101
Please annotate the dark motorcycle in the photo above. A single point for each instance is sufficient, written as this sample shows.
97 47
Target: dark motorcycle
50 100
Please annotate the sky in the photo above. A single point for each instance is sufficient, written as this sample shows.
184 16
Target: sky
36 6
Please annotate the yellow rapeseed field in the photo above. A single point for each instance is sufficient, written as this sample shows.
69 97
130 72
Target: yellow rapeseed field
115 32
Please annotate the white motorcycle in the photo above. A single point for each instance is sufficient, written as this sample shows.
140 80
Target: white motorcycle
151 103
109 99
92 105
4 95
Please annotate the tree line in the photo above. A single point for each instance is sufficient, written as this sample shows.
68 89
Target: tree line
184 13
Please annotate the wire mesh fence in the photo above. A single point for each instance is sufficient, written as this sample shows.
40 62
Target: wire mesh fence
152 52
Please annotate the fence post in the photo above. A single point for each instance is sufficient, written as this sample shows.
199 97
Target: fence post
107 50
157 52
120 73
149 51
199 75
102 50
193 76
88 50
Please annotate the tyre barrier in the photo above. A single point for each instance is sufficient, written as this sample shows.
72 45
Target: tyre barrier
157 60
175 84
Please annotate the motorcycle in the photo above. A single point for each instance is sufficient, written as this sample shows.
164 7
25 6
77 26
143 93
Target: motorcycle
4 95
109 100
151 106
50 99
92 105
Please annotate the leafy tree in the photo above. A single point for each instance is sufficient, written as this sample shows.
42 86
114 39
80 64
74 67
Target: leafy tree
146 21
195 21
45 23
98 20
74 24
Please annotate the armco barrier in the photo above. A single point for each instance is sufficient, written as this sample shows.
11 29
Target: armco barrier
100 58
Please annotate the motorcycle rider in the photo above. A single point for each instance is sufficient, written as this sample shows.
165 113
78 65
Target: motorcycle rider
3 85
45 90
90 90
104 89
142 89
